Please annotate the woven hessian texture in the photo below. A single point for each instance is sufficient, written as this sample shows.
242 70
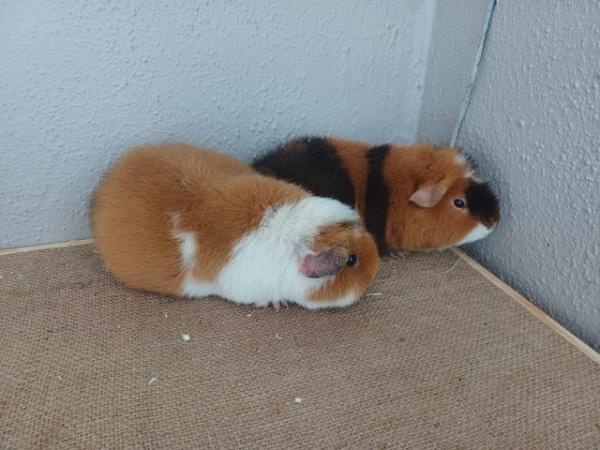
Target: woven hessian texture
440 359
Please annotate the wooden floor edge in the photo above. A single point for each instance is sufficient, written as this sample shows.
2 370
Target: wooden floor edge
530 307
10 251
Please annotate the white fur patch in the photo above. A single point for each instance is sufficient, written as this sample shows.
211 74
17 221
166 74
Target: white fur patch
479 232
187 244
475 177
264 264
197 289
187 249
462 160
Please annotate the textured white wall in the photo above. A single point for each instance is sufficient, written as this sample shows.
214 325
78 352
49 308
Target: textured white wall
534 126
81 81
457 28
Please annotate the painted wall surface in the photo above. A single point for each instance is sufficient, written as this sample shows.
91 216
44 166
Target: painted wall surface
81 81
534 127
457 28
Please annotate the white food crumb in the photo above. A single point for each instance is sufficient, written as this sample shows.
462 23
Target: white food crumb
248 315
374 294
165 314
298 400
277 336
186 337
153 380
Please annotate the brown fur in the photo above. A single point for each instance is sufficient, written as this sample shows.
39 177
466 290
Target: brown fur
213 195
351 279
134 203
410 227
353 157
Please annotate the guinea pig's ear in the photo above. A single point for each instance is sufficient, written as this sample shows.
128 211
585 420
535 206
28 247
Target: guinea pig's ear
329 262
428 195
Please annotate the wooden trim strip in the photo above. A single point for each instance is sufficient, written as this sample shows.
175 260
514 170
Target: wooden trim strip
530 307
10 251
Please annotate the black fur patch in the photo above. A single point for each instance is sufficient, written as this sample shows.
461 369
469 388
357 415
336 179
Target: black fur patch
483 203
312 163
378 196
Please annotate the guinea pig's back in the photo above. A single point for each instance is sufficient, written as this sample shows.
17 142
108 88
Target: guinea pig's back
130 221
316 164
136 207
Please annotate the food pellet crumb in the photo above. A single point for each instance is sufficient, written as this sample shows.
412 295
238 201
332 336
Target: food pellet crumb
153 380
186 337
374 294
166 315
298 400
277 336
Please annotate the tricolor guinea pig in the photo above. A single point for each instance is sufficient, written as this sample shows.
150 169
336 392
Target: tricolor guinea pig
412 199
185 221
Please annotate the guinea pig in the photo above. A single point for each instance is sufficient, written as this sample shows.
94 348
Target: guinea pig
412 199
179 220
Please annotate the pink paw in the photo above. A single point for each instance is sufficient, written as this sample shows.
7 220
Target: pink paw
277 305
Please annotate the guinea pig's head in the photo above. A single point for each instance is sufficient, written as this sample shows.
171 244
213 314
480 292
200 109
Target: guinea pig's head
344 257
445 204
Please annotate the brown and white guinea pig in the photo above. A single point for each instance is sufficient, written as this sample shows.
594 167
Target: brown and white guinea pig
413 198
180 220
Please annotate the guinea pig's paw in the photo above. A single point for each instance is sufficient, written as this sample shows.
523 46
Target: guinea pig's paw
277 305
274 305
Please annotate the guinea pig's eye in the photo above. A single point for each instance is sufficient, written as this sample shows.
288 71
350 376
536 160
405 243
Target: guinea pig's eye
459 203
352 260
